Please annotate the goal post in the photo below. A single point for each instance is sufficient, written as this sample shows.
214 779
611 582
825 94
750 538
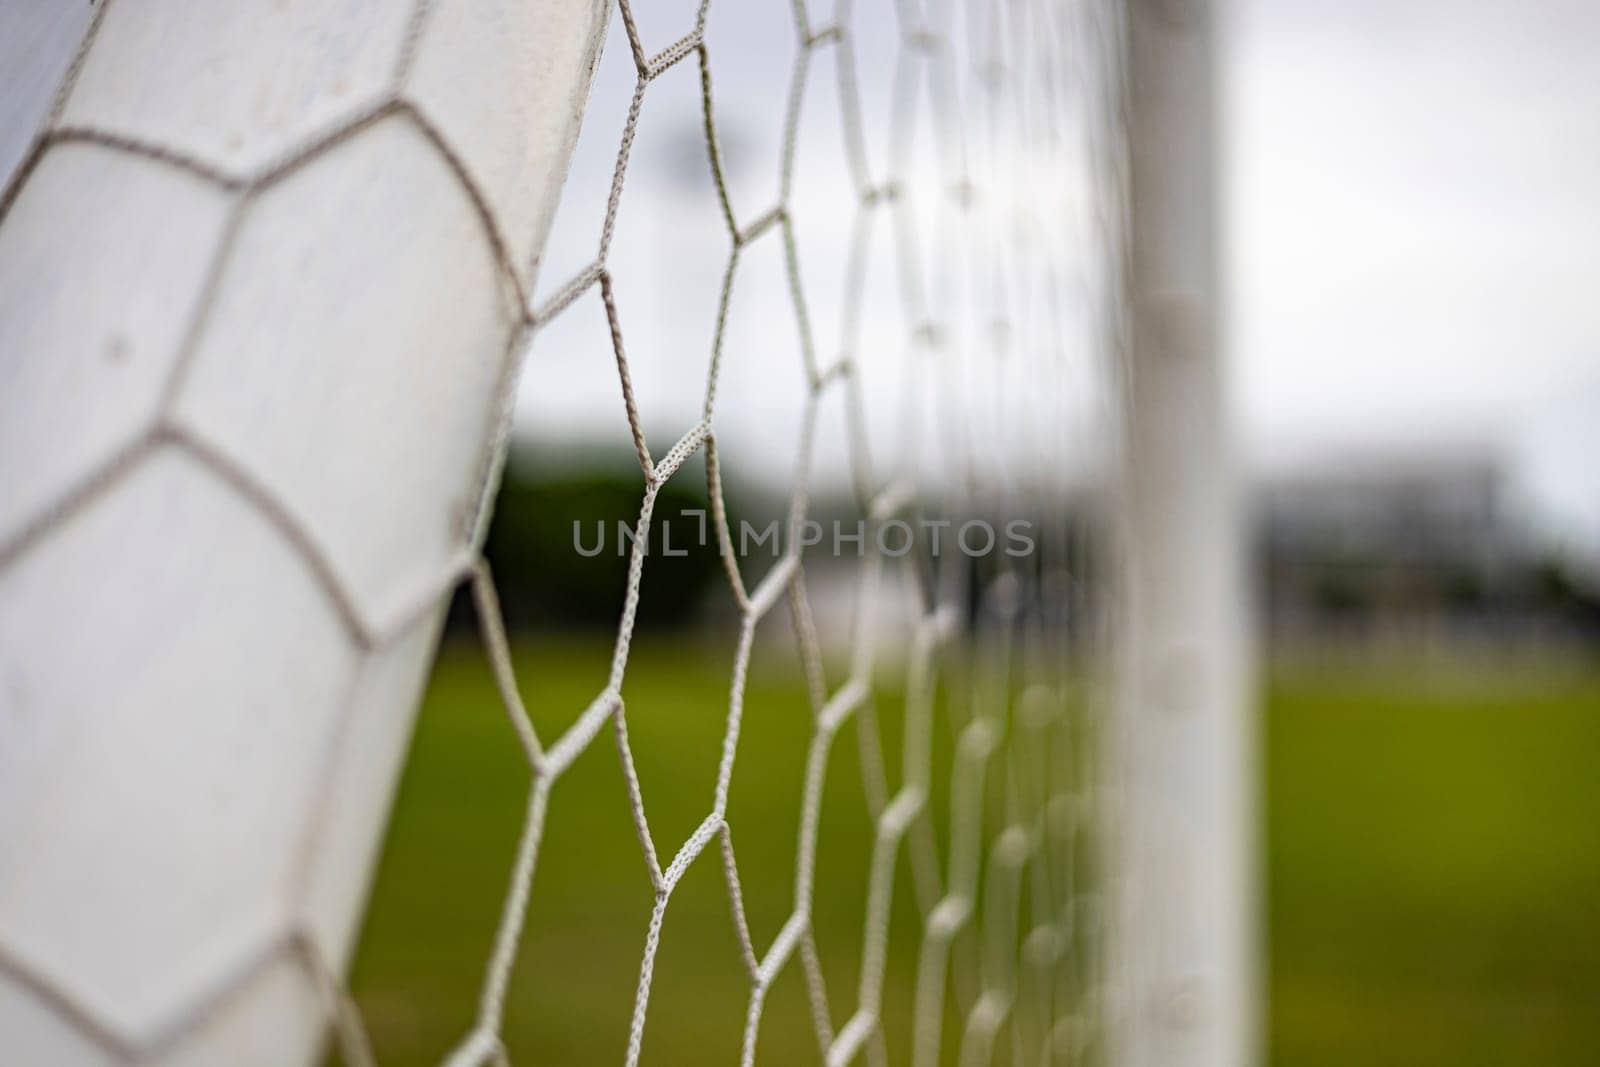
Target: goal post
260 265
1182 842
267 279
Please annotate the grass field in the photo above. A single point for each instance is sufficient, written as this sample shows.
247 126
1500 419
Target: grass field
1433 866
1432 872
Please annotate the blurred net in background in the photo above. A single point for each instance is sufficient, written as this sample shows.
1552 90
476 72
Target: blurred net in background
993 188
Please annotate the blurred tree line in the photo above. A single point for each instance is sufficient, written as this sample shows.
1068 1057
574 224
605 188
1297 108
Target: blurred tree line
560 540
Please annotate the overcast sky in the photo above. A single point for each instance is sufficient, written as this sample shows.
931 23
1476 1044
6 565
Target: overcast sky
1413 242
1415 234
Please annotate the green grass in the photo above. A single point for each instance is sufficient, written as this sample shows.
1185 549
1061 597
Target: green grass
1434 866
447 862
1433 872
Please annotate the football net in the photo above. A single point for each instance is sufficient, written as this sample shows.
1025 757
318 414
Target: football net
269 281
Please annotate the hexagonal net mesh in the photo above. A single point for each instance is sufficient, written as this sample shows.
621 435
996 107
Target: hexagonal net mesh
1005 231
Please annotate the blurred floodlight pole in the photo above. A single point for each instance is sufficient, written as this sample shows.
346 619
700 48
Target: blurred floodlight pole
1182 956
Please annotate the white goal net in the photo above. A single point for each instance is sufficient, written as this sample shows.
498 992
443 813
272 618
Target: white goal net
271 277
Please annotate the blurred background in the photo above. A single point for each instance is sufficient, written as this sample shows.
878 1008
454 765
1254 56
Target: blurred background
1412 247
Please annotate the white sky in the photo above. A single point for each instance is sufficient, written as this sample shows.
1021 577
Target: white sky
1414 223
1413 241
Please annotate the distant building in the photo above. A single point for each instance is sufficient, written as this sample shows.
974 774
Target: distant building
1409 546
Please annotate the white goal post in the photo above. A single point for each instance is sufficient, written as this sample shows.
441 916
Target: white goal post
266 288
1184 841
259 261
